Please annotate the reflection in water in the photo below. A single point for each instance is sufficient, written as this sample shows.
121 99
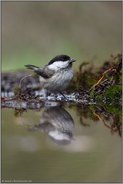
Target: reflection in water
109 115
57 123
111 120
85 147
56 119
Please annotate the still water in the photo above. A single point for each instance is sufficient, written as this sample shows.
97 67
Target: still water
60 144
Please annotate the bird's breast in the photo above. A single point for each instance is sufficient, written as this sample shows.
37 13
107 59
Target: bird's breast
59 80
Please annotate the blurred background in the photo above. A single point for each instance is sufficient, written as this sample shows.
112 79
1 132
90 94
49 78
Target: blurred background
35 32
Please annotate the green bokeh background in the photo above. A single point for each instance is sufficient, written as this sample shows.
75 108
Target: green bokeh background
35 32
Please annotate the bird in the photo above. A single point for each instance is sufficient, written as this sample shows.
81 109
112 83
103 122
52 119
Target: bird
56 75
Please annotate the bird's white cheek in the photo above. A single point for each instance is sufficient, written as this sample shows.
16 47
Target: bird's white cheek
58 65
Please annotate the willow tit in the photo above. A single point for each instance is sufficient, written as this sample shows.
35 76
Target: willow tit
56 75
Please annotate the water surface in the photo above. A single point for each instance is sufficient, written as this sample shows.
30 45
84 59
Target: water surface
59 144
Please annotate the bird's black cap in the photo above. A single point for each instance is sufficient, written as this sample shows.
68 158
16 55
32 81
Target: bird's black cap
59 58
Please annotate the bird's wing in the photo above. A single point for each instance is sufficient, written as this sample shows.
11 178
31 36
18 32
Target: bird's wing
43 72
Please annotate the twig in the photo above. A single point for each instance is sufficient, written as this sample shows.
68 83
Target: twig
99 81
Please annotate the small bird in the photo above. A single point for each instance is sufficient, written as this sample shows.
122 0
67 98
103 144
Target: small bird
56 75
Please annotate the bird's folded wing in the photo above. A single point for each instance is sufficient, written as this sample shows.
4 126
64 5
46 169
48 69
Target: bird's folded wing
45 72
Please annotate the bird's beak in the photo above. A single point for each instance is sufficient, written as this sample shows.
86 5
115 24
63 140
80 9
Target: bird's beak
72 60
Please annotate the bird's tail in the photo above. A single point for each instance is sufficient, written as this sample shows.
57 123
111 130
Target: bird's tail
32 67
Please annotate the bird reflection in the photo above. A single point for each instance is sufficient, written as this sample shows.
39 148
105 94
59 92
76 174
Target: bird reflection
57 123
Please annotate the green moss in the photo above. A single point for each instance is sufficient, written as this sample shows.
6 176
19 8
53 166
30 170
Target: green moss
111 101
114 92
